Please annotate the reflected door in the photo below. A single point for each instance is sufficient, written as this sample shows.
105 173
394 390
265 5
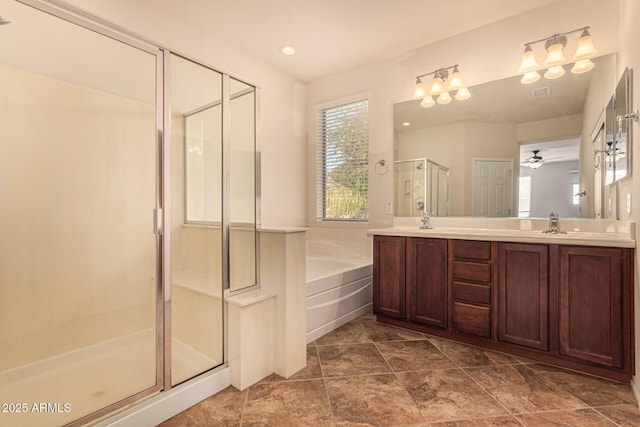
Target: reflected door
492 187
79 282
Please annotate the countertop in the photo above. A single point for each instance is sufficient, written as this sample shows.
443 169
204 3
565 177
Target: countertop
606 234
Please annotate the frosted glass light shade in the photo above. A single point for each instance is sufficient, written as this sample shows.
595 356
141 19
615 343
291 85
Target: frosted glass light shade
462 94
530 77
535 165
529 62
437 85
444 98
585 47
419 91
555 55
582 66
455 81
554 72
427 102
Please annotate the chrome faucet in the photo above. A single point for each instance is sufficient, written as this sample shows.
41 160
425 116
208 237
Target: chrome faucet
554 224
426 221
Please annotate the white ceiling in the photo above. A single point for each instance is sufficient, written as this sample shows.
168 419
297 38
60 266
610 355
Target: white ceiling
329 35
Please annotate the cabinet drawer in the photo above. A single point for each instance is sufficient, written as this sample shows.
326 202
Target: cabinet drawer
471 249
475 271
472 292
472 319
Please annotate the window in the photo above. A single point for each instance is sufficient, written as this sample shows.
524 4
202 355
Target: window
524 193
575 194
343 162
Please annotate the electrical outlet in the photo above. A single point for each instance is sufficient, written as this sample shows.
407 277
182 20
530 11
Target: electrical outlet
389 207
629 203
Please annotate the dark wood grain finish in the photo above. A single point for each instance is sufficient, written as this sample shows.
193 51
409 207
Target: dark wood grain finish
474 271
389 269
523 289
471 249
566 305
472 319
472 292
591 304
427 273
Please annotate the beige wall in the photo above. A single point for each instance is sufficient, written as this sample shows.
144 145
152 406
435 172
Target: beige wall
78 265
630 57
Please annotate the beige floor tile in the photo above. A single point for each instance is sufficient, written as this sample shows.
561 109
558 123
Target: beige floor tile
521 390
287 403
351 359
574 417
592 390
466 355
625 415
378 400
413 356
449 394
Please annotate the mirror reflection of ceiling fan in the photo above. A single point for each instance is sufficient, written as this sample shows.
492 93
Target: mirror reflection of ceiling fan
535 161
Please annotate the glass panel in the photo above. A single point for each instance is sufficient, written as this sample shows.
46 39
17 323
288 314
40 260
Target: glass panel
196 234
78 271
242 195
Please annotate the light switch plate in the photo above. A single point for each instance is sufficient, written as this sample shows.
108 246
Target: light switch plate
389 207
629 203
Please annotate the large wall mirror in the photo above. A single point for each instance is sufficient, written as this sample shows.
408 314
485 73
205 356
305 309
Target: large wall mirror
531 134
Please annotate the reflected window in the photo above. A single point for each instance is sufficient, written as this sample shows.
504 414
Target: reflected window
524 200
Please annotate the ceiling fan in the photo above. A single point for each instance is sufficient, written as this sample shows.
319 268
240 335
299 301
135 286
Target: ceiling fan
535 161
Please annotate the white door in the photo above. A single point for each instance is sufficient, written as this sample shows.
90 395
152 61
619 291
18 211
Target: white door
492 187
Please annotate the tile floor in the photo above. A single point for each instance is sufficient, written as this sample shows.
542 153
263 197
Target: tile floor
369 374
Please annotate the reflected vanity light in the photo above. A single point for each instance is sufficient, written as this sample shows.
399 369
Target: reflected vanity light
554 45
288 50
441 87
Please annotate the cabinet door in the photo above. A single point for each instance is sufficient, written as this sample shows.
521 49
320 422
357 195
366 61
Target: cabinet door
428 281
389 286
591 304
523 293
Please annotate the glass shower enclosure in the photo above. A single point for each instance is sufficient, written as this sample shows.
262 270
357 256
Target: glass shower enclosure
421 186
127 186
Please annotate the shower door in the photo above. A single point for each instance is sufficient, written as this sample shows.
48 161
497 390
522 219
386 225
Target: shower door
79 252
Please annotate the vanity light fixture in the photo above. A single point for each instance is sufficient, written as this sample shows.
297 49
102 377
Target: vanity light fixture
441 87
553 63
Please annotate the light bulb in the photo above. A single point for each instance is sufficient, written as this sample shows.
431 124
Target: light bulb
455 81
554 72
419 91
582 66
463 94
444 98
529 62
555 55
427 102
530 77
437 85
585 47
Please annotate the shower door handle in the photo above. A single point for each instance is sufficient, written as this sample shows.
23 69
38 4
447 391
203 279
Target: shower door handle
157 221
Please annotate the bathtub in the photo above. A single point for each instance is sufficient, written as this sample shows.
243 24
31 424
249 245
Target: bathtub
338 291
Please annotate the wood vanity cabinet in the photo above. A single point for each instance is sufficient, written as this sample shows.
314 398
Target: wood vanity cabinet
389 267
562 304
427 274
594 304
523 294
472 274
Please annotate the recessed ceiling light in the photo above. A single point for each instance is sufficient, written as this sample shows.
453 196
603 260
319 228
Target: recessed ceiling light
406 124
288 50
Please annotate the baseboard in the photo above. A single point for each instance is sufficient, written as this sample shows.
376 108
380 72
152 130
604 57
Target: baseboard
336 323
636 389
